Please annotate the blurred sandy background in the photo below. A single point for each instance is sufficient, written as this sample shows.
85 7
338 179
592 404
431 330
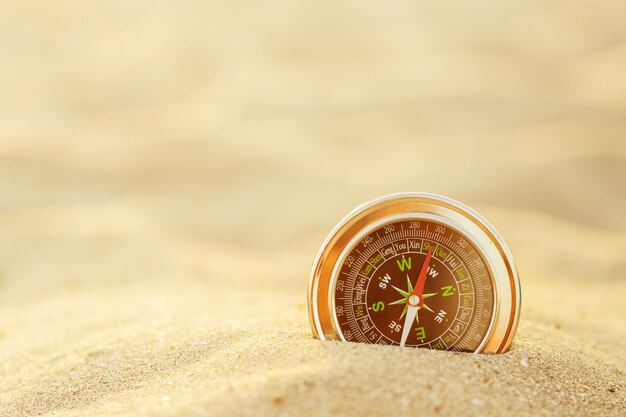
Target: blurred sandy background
168 170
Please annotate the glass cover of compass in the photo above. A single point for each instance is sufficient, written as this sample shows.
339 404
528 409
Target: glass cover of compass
416 270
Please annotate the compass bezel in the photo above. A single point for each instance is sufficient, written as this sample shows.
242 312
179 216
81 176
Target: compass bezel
507 291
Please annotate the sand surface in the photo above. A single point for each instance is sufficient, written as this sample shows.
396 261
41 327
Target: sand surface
169 169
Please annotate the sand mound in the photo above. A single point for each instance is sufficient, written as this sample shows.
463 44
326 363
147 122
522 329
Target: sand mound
168 171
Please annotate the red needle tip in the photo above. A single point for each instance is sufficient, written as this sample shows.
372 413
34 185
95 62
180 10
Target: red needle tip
421 279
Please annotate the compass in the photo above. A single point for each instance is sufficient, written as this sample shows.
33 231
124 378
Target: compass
415 270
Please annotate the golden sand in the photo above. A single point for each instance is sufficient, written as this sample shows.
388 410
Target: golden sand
168 171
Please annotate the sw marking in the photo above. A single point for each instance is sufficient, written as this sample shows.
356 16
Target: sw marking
384 281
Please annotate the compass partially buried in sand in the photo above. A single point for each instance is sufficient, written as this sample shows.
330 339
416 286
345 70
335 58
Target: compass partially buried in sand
416 270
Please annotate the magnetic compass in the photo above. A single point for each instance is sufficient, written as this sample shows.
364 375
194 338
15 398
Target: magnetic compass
417 270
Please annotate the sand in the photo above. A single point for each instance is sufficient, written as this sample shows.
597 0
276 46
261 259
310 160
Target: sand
168 171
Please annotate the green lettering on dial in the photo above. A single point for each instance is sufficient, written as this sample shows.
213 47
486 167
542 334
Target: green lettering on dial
379 306
447 290
404 264
420 332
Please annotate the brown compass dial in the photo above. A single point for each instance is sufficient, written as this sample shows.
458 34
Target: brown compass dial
379 272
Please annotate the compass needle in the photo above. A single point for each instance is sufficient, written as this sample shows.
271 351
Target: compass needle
408 322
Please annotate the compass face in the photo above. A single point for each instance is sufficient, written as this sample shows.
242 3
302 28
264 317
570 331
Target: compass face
380 272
